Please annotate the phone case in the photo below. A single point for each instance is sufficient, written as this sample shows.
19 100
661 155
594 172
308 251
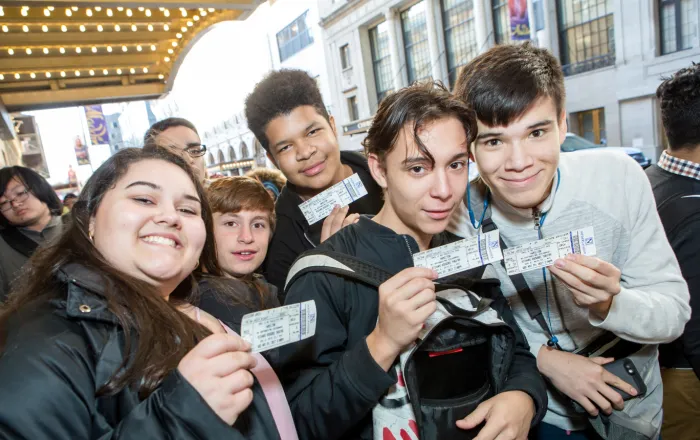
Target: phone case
627 371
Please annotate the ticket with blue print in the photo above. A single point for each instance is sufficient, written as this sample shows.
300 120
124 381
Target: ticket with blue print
342 193
280 326
543 253
461 255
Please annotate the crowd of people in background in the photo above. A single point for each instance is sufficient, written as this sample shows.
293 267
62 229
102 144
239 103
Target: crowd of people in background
121 307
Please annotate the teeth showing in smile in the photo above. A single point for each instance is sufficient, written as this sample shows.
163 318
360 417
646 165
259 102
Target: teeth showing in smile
245 253
160 240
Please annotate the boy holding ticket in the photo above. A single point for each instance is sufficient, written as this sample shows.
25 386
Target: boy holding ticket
553 213
417 152
286 113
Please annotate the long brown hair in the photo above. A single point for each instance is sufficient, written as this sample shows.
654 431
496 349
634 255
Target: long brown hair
156 334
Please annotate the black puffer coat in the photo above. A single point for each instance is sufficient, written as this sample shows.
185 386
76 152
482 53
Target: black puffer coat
58 354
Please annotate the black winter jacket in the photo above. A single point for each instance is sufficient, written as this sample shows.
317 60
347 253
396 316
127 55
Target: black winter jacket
293 235
331 380
58 354
678 202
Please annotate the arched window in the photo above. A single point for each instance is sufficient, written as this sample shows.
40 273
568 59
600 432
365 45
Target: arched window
220 156
231 154
245 154
210 159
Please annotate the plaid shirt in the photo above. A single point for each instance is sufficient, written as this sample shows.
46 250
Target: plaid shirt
678 166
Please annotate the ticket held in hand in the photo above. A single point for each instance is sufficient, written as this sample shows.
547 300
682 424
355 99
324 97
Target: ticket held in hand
543 253
280 326
461 255
342 194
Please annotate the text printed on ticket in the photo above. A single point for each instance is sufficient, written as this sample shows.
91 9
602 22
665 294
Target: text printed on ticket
461 255
342 193
280 326
543 253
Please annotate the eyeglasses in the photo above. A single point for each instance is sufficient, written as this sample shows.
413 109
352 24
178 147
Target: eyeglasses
196 150
19 198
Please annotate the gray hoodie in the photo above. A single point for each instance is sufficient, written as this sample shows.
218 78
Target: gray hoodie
608 191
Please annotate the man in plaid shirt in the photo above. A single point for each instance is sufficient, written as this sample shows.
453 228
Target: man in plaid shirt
676 184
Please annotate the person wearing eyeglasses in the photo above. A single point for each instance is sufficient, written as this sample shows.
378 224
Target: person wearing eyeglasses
30 214
180 136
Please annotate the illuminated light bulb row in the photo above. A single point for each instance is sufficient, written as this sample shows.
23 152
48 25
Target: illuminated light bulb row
78 49
91 72
100 28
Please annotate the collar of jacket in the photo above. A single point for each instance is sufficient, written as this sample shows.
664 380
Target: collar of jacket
85 296
369 228
288 202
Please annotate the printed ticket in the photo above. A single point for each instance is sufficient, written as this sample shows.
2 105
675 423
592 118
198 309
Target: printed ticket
461 255
280 326
543 253
342 193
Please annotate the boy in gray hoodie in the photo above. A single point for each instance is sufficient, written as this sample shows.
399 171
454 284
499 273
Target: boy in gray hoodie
632 287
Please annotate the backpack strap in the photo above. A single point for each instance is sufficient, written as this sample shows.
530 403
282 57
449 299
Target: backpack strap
524 292
18 241
336 263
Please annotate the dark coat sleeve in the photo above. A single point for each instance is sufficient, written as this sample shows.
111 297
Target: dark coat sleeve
523 375
685 240
332 387
47 391
287 244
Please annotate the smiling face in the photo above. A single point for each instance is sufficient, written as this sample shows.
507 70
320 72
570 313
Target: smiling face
20 207
304 146
150 224
518 161
241 241
419 195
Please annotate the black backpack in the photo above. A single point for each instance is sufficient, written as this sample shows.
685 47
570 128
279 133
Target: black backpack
461 359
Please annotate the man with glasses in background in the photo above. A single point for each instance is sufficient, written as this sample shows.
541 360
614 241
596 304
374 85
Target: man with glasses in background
180 136
30 214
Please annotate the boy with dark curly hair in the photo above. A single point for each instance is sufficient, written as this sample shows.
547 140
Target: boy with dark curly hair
286 113
676 184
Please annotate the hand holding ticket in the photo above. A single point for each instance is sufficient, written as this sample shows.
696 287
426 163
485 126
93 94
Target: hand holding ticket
342 194
280 326
592 281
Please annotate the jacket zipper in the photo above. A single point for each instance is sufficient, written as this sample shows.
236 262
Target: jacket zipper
537 216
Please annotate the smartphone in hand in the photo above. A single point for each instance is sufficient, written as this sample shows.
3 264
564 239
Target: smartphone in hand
627 371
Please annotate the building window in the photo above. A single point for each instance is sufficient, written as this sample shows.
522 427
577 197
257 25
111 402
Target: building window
353 111
220 157
293 38
586 34
460 35
415 40
501 21
381 59
345 57
591 125
677 22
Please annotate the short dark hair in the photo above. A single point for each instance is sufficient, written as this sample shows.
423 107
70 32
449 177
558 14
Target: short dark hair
502 83
680 108
69 196
35 183
279 93
163 125
418 104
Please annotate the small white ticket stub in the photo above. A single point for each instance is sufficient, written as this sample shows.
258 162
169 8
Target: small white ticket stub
461 255
342 193
280 326
543 253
